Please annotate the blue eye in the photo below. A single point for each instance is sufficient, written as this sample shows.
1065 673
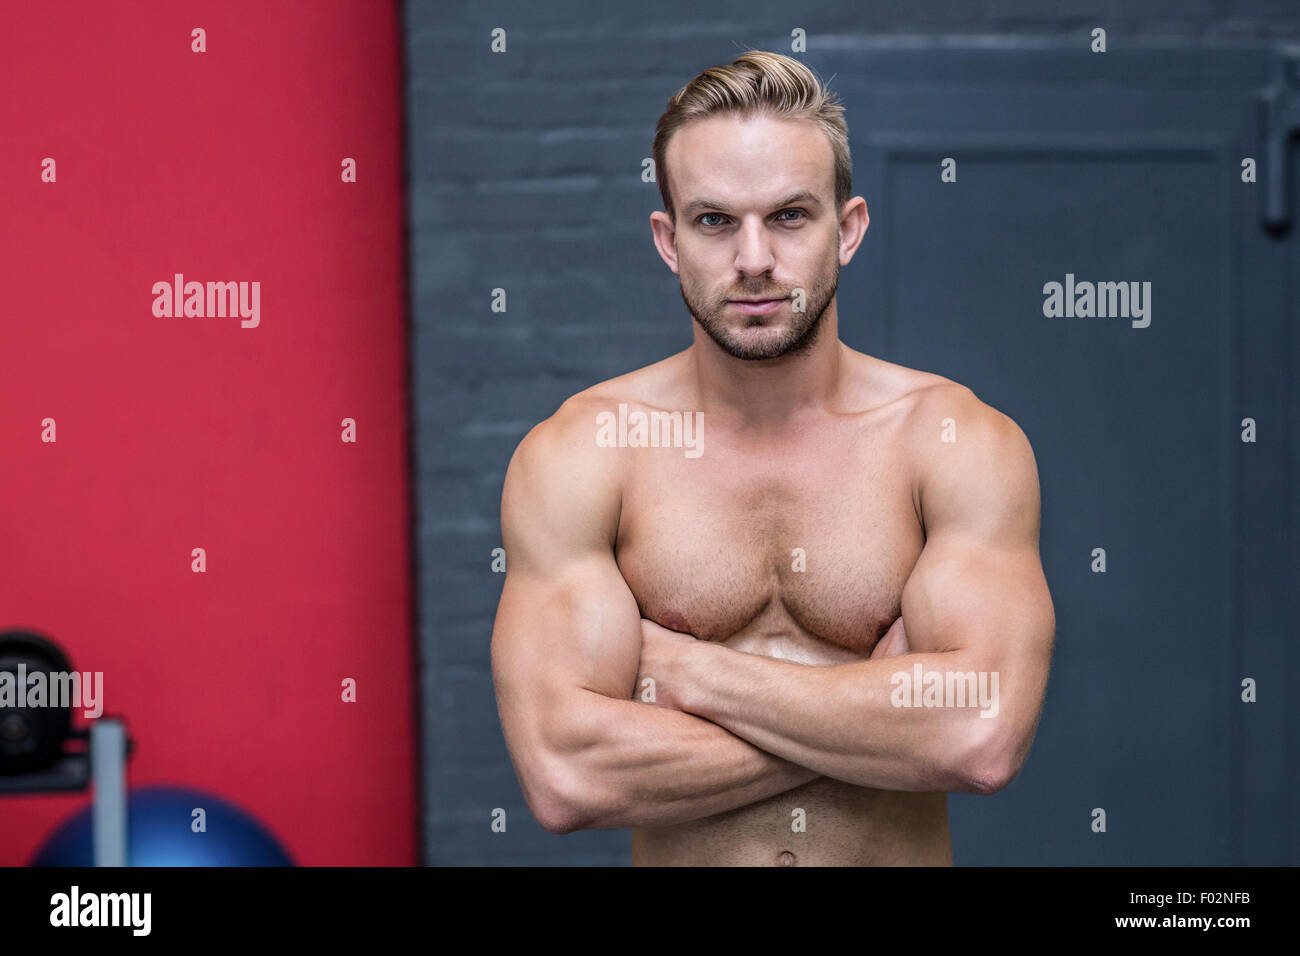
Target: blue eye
799 215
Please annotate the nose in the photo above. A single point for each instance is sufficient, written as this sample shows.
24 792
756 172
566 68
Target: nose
754 252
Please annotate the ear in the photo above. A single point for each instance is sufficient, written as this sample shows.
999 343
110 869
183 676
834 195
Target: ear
665 234
853 226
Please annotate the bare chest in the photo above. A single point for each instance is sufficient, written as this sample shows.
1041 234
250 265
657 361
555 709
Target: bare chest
801 554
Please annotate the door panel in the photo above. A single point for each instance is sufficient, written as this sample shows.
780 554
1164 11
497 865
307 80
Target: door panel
1117 167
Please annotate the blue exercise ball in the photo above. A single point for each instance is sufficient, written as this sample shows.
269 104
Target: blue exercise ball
160 832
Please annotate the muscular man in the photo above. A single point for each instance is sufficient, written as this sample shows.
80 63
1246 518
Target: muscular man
765 632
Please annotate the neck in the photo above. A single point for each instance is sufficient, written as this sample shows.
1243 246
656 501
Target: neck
769 391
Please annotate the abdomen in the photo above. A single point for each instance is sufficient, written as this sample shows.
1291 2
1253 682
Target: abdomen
823 823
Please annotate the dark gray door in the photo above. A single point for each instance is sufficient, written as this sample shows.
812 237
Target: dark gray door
1112 167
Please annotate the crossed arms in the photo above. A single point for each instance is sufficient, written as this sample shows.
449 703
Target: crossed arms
569 648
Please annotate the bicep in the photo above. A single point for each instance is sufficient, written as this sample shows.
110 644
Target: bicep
567 624
978 586
967 595
575 627
978 593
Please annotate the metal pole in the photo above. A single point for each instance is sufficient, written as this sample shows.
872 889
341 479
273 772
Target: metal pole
108 777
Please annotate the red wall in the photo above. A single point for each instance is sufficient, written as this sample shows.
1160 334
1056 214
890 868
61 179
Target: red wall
177 433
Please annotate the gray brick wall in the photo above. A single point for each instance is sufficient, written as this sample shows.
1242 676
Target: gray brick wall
524 173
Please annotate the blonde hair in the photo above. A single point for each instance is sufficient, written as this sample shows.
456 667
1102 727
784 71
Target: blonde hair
757 83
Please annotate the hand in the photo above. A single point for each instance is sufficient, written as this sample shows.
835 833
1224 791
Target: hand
662 652
893 643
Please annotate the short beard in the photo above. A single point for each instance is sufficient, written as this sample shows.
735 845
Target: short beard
799 337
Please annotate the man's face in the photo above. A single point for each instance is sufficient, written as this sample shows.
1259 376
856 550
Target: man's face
756 219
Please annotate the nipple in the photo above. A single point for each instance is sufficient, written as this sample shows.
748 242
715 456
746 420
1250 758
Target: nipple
674 622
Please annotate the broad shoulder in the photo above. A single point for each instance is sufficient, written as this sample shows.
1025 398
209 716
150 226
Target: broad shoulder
875 385
941 409
972 462
573 428
562 457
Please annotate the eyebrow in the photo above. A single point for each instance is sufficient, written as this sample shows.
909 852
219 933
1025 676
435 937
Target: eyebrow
802 196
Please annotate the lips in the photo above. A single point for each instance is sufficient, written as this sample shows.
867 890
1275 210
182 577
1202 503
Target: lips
756 306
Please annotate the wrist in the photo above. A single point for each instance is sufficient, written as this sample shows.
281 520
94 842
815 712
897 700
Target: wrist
692 674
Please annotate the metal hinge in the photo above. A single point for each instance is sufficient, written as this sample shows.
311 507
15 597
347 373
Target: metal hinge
1279 120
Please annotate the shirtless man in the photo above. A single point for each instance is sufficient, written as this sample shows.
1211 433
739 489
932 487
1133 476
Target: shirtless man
708 643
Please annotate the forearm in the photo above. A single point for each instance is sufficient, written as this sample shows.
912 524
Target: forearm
845 721
636 765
